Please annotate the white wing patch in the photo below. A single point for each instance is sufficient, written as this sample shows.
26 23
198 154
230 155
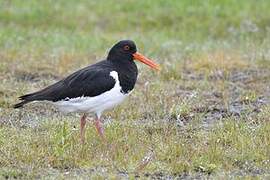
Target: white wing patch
114 74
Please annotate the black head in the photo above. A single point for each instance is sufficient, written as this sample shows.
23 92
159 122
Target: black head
123 50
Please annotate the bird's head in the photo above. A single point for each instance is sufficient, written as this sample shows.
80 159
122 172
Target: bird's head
127 50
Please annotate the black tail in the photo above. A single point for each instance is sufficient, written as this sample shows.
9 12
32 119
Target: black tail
49 93
19 105
25 99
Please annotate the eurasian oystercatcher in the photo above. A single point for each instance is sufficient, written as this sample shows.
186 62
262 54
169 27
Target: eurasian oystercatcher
95 88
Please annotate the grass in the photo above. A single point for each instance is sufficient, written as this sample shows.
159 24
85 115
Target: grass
205 115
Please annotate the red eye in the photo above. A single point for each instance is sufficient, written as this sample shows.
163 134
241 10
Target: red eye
126 47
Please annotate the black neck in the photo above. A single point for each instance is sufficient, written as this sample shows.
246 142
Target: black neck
127 71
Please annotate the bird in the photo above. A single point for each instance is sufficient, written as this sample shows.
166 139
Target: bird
95 88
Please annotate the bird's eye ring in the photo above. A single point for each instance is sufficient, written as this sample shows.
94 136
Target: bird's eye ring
126 47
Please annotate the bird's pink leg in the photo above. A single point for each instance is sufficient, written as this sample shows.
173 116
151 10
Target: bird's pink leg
82 132
99 128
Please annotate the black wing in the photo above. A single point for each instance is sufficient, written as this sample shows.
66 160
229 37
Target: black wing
90 81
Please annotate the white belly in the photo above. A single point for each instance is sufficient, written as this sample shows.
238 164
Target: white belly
97 104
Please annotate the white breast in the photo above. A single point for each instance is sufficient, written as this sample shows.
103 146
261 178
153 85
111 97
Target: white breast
97 104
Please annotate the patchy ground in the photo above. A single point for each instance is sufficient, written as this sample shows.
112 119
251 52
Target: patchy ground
205 115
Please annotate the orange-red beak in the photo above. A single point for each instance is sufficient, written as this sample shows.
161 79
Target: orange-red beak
146 61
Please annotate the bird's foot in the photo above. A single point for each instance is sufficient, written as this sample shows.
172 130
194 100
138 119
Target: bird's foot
100 129
82 130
